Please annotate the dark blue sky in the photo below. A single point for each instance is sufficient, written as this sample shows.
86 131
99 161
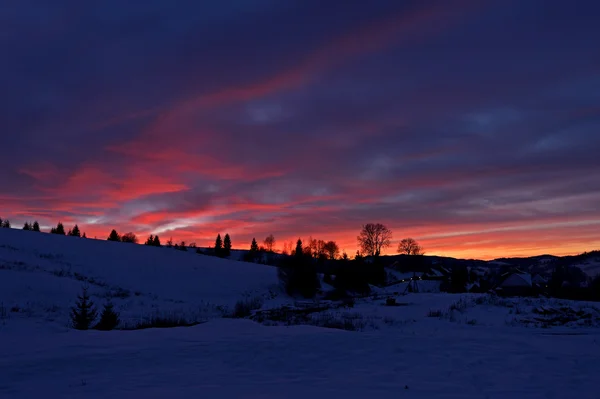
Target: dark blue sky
472 126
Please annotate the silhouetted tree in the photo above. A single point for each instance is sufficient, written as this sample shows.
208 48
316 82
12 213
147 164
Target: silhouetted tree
345 256
84 313
75 232
109 319
26 226
373 238
114 236
298 274
227 245
130 238
299 251
269 242
218 245
59 229
358 256
331 249
409 246
170 242
150 240
1 222
156 241
36 226
182 246
6 224
254 246
84 236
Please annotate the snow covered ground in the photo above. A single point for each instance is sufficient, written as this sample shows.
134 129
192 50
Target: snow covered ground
428 346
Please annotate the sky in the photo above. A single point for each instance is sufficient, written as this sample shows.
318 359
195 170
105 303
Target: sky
471 126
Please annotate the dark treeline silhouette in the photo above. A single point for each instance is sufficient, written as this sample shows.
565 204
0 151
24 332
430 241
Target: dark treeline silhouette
301 265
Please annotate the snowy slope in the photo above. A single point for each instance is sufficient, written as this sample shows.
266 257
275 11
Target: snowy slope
429 345
241 359
43 273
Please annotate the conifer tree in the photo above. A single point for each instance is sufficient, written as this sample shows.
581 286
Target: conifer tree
59 229
6 224
114 236
150 240
36 226
218 245
109 319
84 236
1 222
254 246
83 313
299 251
227 245
26 226
156 241
75 232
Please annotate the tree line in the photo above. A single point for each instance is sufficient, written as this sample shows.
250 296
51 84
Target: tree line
372 240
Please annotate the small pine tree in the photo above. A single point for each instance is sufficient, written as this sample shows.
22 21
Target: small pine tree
83 313
254 246
109 319
36 226
1 222
6 224
114 236
75 232
156 241
218 245
299 252
60 229
150 240
84 236
227 245
26 226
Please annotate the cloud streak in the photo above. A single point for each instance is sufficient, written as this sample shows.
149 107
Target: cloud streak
443 121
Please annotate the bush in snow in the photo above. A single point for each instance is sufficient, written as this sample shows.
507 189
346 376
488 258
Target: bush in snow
109 319
84 313
243 308
164 321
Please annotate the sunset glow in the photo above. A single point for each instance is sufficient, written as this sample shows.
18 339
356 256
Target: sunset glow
473 127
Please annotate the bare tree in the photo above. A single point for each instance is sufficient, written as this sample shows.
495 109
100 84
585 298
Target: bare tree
331 249
373 238
269 242
410 246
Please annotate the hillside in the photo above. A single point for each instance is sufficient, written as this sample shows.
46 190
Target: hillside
387 345
41 272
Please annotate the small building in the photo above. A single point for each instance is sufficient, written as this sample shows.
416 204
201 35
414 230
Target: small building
515 283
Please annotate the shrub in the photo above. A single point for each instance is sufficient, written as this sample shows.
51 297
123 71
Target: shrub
109 319
164 321
83 313
130 238
243 308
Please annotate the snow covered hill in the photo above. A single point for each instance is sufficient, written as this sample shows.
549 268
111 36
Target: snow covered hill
426 345
42 274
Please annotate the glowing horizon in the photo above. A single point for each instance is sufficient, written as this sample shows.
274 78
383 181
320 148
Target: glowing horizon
443 121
